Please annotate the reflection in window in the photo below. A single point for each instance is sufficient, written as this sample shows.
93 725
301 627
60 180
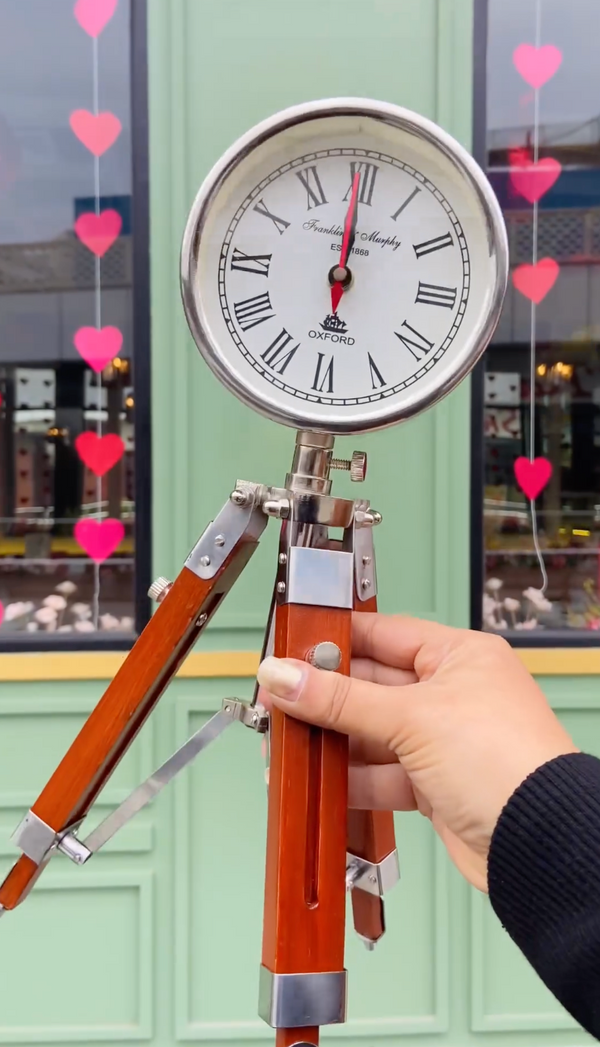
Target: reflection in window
66 383
543 143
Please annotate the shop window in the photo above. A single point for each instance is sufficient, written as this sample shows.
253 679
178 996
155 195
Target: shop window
71 263
540 392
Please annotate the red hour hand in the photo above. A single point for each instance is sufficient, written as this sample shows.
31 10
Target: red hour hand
340 273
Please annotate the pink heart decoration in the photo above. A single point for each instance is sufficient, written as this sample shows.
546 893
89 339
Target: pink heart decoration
96 132
93 15
98 346
99 538
532 477
532 180
99 453
98 231
534 281
537 65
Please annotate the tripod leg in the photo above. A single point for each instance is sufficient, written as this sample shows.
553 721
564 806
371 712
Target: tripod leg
371 837
126 704
306 849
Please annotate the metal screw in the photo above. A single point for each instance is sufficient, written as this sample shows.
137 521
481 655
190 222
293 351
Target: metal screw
220 539
280 587
357 466
159 589
277 507
326 655
239 497
205 561
366 561
200 621
255 718
372 878
365 583
282 558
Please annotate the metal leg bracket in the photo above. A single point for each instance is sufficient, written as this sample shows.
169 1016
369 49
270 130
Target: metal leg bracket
373 877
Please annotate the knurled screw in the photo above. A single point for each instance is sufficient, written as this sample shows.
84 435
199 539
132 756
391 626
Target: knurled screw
159 589
326 655
356 466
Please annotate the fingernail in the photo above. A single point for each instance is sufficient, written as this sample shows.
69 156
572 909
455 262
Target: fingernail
280 678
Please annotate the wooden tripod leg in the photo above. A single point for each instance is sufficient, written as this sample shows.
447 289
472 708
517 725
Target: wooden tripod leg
371 836
125 705
306 836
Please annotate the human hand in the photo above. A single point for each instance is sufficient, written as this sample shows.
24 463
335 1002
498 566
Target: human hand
444 721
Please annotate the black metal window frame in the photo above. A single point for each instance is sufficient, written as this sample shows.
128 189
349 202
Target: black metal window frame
547 638
141 349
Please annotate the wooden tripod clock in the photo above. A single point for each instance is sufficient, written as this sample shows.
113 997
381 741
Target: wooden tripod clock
343 268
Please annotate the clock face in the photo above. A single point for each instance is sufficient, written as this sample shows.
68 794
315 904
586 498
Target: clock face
344 266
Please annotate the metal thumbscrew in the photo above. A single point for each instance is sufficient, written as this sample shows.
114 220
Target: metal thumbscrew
325 655
356 466
159 589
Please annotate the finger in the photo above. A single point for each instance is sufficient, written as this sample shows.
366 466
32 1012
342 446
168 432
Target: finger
380 789
363 751
397 640
367 669
340 703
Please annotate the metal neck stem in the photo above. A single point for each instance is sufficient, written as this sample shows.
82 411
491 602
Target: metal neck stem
311 463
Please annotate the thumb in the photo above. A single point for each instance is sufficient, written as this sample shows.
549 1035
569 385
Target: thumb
328 699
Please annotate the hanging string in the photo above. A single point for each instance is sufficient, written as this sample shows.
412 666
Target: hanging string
98 317
532 360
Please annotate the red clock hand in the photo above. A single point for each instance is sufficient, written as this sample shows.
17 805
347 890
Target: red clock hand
337 289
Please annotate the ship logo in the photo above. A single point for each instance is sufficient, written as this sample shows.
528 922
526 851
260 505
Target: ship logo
334 324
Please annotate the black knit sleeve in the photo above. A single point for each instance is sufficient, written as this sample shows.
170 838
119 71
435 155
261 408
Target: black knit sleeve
544 879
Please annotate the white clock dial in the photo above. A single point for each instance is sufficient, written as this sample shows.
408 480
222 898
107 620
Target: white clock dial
424 279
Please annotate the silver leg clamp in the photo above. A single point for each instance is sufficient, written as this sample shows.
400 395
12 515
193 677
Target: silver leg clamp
373 877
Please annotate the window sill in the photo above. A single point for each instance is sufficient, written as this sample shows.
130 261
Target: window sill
89 665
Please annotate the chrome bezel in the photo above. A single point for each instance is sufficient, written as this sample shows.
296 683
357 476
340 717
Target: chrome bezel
396 117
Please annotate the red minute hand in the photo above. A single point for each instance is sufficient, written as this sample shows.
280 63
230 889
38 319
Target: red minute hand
337 289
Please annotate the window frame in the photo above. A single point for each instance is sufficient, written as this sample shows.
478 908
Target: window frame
542 638
141 359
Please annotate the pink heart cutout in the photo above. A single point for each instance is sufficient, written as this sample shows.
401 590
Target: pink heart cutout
534 281
98 346
537 65
93 15
96 132
99 453
532 180
532 477
99 538
98 231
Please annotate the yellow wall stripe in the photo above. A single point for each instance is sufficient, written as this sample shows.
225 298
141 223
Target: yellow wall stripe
561 661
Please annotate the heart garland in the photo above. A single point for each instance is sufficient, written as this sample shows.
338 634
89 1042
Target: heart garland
532 476
99 453
97 230
96 131
534 281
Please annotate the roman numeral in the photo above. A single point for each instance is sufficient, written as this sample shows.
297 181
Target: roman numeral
368 174
253 311
327 375
433 245
315 195
422 345
275 356
280 223
251 263
377 379
434 294
406 203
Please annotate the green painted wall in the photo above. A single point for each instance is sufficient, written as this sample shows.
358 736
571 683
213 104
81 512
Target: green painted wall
158 939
